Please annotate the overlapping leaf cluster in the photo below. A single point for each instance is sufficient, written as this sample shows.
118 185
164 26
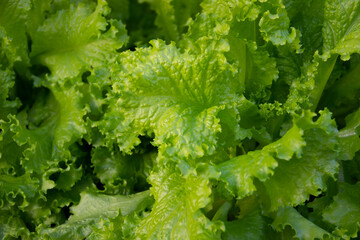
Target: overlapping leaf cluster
179 119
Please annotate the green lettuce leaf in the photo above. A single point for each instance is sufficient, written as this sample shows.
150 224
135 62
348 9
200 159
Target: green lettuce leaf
249 222
306 90
306 175
76 39
249 227
221 119
344 212
10 152
121 173
18 191
235 22
341 97
48 129
120 227
13 16
304 229
308 19
12 226
180 98
177 213
239 172
8 56
349 136
7 82
341 29
255 61
276 28
92 208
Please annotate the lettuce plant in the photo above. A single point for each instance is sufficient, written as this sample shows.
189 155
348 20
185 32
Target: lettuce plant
179 119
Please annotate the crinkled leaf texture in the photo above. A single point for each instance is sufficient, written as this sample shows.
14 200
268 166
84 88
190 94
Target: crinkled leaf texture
342 27
109 168
73 40
307 145
344 212
49 128
7 75
12 226
304 229
18 190
92 208
177 213
185 100
275 28
305 175
239 172
13 15
246 126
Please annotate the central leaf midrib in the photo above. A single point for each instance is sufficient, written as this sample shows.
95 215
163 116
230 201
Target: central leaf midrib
74 48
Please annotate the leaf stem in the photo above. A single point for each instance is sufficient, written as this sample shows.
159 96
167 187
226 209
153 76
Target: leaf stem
323 74
223 211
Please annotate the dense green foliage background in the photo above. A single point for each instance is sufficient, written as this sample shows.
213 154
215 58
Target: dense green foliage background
179 119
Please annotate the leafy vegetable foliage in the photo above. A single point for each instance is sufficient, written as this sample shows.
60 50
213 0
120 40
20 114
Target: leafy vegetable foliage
169 119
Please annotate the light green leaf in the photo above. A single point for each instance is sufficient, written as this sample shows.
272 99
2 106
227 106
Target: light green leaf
91 209
349 136
344 212
307 174
10 152
240 171
120 227
276 28
18 190
39 11
304 229
94 205
8 103
12 226
234 21
306 91
177 213
178 97
13 14
53 123
341 31
260 70
215 22
76 39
